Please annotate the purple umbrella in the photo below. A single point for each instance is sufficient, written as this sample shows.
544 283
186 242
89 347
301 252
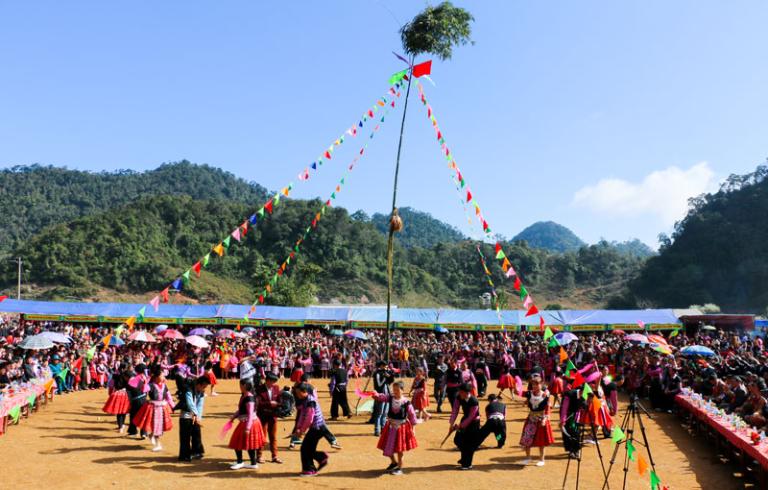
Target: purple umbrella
202 332
637 337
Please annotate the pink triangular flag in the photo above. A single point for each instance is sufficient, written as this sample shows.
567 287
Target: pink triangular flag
236 234
155 302
511 272
527 302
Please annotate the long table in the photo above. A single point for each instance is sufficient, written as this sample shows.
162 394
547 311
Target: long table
739 439
21 399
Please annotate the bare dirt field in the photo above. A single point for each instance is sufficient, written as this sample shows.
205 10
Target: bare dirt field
72 444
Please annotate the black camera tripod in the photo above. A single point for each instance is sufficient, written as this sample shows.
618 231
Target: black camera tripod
577 455
631 416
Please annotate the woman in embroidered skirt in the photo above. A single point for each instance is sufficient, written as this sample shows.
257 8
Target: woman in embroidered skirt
118 403
506 382
419 394
397 436
248 435
537 430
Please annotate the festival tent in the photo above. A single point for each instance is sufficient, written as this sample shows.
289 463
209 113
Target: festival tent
353 317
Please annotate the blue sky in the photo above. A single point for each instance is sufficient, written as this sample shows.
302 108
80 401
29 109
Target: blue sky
603 116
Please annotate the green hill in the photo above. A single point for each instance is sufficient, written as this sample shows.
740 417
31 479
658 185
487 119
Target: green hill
33 197
550 236
420 229
717 254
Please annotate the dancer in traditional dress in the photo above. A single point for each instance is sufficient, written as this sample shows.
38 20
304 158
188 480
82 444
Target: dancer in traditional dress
311 424
506 382
118 403
595 413
419 394
398 435
248 435
468 428
495 421
138 397
338 389
154 417
211 377
268 396
537 430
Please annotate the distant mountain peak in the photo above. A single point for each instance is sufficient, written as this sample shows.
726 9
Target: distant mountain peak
550 236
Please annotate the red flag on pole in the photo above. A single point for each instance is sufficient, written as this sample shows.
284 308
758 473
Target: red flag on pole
422 69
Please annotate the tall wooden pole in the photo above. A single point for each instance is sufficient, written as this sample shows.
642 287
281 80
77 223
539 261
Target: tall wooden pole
391 240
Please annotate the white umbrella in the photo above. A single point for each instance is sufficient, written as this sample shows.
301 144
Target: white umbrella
36 342
57 337
197 341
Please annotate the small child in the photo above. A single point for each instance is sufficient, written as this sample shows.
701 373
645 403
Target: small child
211 377
310 423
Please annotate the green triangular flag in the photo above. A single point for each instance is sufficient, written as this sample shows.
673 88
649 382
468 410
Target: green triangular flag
342 181
569 367
655 481
225 242
274 280
500 255
185 277
617 435
674 333
398 76
548 333
31 400
631 450
553 343
276 200
90 353
206 259
333 195
63 374
523 292
586 392
288 260
14 413
140 316
261 212
322 210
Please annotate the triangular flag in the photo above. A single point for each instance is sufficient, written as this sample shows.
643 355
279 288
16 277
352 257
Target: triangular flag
578 380
563 355
553 343
655 481
586 392
155 302
523 292
642 465
64 372
396 78
236 234
505 265
206 259
548 333
90 353
268 206
176 283
569 367
541 323
260 212
517 284
253 219
674 333
219 249
164 295
3 298
130 322
226 242
500 255
15 412
196 268
469 196
532 311
422 69
631 450
185 276
617 435
140 316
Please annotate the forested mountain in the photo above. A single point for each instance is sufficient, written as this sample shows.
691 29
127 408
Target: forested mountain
420 229
33 197
717 254
550 236
140 247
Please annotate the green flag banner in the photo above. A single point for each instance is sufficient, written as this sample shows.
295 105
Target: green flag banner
617 435
655 481
14 413
631 450
548 333
31 400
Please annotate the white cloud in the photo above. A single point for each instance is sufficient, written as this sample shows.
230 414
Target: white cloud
662 194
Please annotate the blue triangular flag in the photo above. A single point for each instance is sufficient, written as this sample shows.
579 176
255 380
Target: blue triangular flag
314 165
360 124
177 283
252 219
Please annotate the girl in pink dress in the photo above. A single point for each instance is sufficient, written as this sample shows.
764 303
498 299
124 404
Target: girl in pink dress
398 436
419 394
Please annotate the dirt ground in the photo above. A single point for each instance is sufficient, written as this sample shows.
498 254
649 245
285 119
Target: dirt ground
72 444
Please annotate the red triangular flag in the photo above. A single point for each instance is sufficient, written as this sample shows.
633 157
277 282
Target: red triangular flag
244 227
261 299
578 379
78 365
469 196
164 295
3 298
196 268
268 206
517 285
422 69
541 322
328 155
532 310
498 247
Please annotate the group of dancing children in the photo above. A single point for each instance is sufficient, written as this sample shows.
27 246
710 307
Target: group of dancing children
586 401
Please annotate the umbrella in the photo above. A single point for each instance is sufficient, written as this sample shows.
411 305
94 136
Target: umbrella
56 337
619 332
141 336
336 332
113 340
663 348
202 332
657 339
226 333
709 327
161 328
36 342
637 337
697 350
440 329
197 341
565 338
172 334
249 329
355 334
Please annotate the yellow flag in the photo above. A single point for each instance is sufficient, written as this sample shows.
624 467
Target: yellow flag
219 249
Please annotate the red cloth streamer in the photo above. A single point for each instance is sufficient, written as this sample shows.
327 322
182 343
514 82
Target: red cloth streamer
224 430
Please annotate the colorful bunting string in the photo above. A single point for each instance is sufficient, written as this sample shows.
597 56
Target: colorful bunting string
220 248
280 272
531 308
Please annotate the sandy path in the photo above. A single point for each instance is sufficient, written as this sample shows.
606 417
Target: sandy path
71 443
